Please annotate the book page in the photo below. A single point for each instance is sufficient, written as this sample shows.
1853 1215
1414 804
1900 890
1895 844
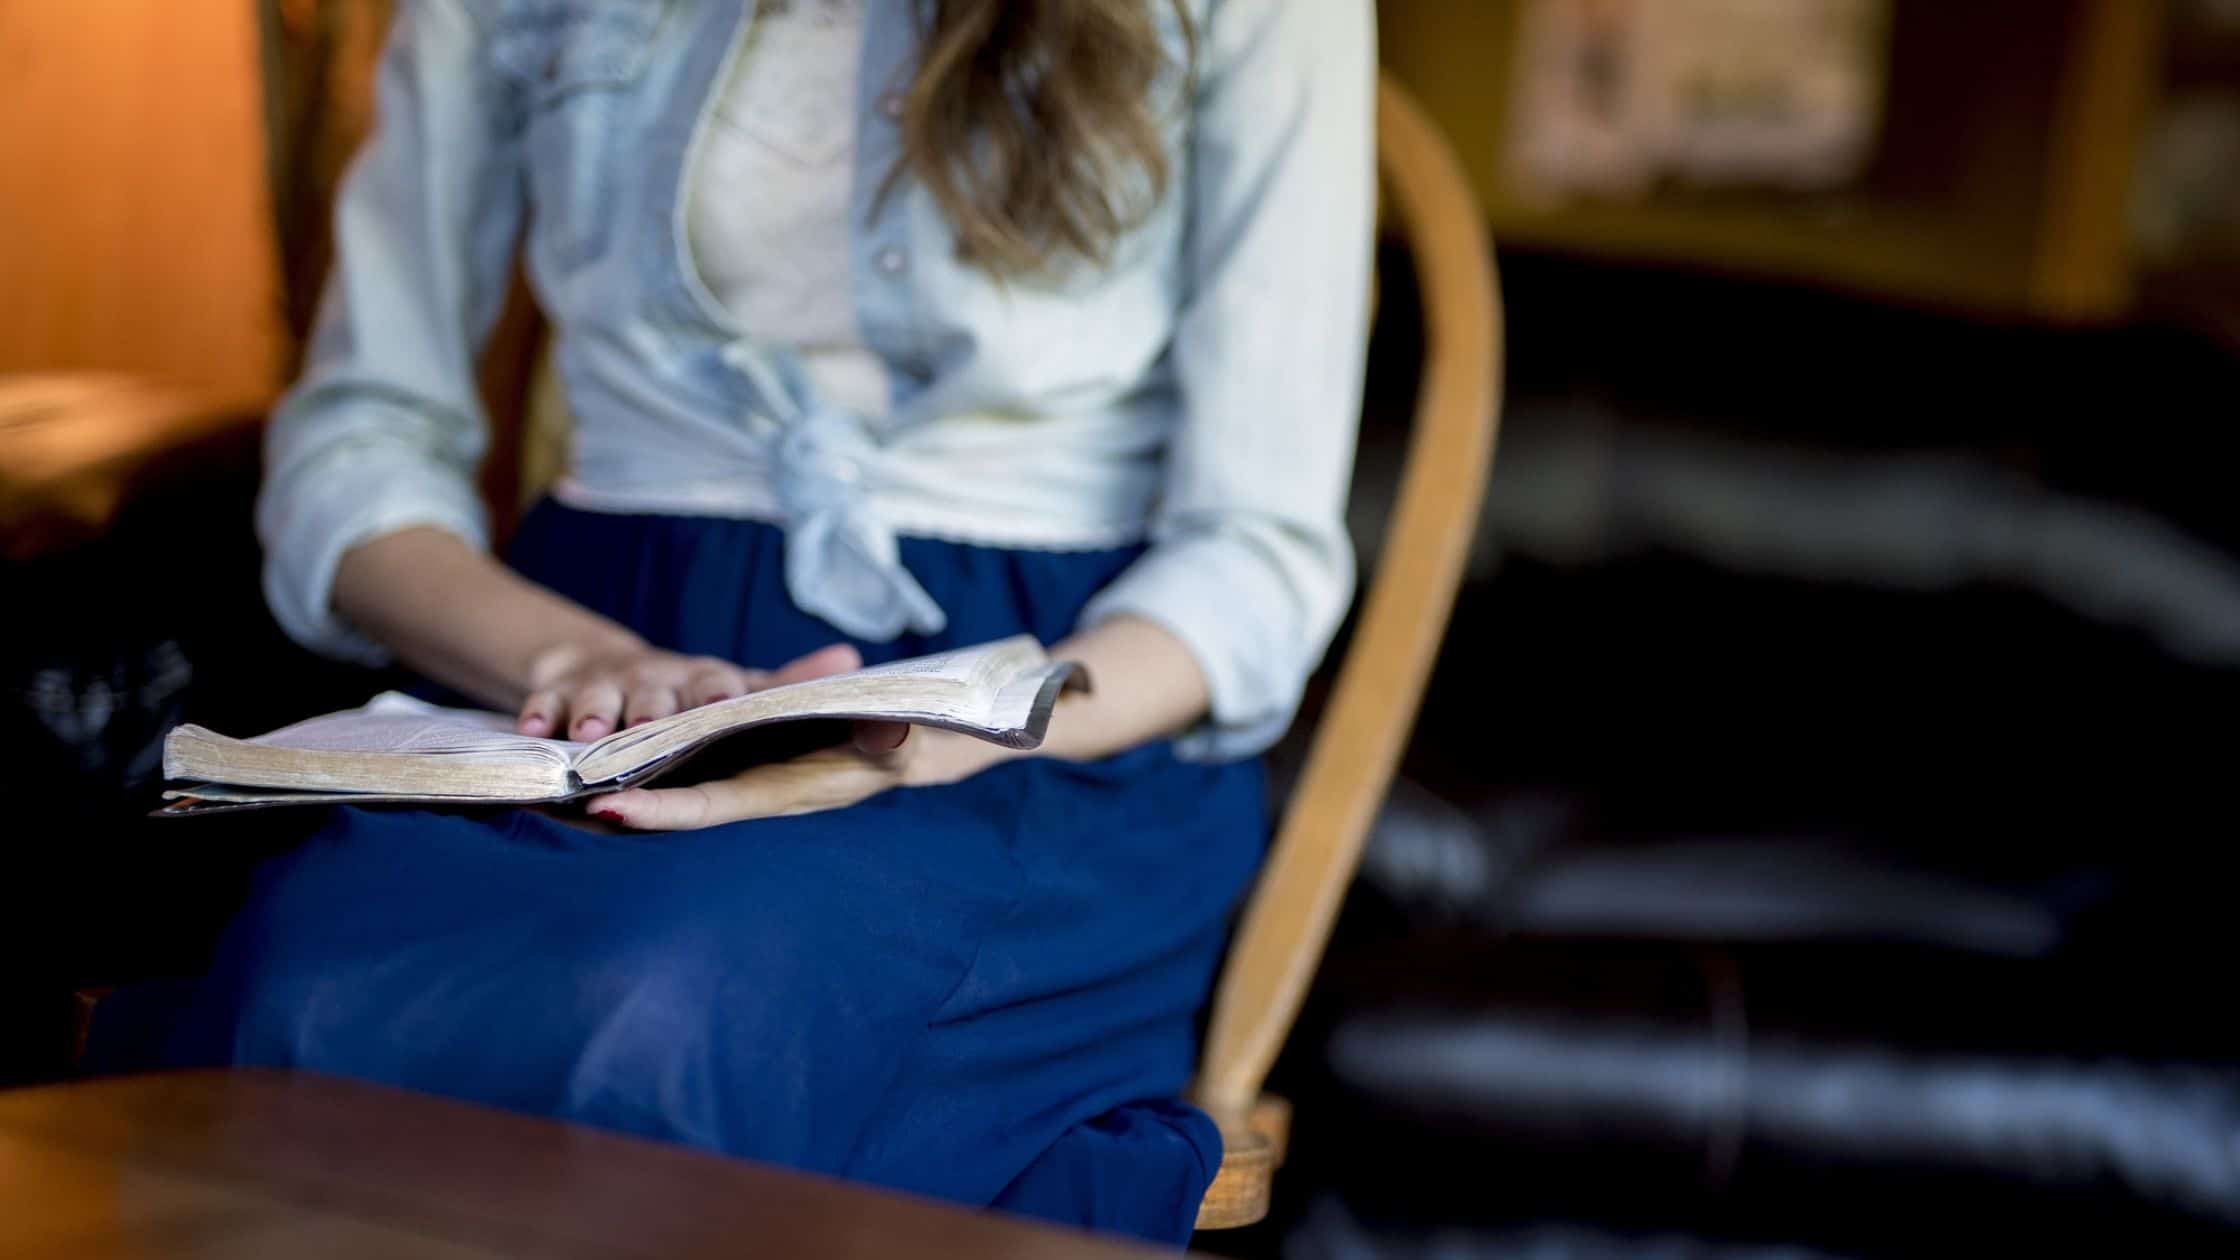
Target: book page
1001 692
226 794
393 743
396 723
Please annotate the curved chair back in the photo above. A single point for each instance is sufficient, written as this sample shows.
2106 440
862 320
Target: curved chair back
1357 744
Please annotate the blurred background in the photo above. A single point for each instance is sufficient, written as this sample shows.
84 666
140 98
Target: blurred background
1814 842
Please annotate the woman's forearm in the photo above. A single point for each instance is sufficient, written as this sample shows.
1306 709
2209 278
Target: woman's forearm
1145 685
455 614
458 616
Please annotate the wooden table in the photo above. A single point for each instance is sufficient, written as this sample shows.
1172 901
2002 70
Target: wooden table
257 1164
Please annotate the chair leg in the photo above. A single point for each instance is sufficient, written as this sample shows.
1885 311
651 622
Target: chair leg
1253 1147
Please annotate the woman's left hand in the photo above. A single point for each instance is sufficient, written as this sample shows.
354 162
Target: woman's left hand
1164 693
882 755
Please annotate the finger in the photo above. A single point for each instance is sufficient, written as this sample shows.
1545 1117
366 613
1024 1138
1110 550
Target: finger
644 704
681 809
665 809
594 710
839 658
541 714
817 781
718 681
877 739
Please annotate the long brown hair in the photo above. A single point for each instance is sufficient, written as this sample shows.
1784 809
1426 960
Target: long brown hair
1033 126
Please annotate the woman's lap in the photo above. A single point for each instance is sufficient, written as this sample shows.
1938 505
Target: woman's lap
903 992
929 990
522 961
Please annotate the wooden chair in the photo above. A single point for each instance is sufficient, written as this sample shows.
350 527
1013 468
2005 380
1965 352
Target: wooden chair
1357 744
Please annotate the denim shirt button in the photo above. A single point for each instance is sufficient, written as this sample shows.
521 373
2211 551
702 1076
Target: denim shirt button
892 260
891 106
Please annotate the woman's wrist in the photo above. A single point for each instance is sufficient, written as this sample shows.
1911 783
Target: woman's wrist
550 660
454 613
1143 685
949 757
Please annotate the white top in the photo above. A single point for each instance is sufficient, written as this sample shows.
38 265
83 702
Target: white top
1197 393
769 206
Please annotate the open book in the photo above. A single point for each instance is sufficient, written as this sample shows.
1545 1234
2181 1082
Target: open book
397 748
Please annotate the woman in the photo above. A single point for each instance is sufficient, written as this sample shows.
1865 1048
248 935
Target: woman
887 328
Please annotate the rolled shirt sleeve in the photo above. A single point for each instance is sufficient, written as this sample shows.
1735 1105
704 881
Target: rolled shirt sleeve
1250 565
385 427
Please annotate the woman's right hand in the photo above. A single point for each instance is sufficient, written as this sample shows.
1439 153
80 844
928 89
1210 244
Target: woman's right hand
582 695
449 610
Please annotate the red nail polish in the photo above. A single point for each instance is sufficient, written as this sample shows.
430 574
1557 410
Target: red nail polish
610 815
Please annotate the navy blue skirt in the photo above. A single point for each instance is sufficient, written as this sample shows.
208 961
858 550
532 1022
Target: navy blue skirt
985 992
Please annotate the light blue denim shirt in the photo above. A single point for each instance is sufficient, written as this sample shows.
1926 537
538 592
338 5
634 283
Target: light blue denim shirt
1200 391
